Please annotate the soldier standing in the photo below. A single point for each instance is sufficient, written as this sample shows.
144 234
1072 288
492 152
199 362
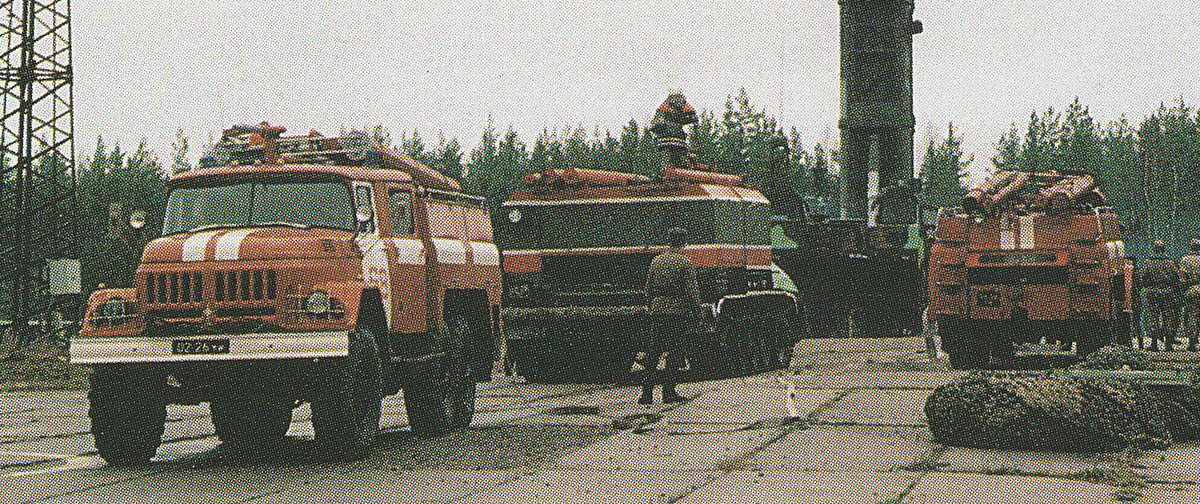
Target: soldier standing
1159 277
673 303
1189 276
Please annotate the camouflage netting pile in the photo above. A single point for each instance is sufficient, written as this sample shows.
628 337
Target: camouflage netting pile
1064 413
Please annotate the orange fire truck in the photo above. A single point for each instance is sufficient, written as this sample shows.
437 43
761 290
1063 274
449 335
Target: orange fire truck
1029 256
577 244
333 271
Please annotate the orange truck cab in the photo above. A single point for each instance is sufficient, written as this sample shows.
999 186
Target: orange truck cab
1029 256
333 271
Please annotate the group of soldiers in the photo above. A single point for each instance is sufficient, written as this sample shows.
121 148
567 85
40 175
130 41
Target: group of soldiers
1171 297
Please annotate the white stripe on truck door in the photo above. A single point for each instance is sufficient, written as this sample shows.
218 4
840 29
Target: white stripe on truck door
450 251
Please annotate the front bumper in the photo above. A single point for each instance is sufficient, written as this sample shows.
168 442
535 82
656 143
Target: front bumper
279 345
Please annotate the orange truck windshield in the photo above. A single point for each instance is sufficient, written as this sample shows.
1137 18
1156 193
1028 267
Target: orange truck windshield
317 204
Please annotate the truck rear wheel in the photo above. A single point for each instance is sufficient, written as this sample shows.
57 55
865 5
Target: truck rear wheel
460 386
250 422
128 409
442 398
346 412
965 349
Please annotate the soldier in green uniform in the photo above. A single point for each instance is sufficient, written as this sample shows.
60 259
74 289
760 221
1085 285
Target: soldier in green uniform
1189 277
1159 277
673 304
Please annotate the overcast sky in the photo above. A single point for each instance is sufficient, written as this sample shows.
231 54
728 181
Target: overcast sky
144 69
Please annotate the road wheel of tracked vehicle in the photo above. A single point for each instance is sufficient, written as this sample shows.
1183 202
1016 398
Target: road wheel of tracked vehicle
128 409
346 411
247 422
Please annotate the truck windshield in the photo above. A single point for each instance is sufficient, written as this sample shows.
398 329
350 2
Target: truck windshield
320 204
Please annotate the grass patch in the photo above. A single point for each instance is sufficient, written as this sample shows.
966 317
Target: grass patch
41 366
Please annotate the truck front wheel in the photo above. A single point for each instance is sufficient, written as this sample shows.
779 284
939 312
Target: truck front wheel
128 409
346 411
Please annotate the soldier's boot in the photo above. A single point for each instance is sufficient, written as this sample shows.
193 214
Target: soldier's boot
647 395
669 394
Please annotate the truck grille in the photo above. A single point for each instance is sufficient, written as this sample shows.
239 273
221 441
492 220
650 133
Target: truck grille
222 286
174 288
245 285
596 271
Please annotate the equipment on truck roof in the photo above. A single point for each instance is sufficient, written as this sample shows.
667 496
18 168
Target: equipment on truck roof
1029 256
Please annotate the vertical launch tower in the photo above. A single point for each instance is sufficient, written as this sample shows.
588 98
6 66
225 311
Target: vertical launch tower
876 96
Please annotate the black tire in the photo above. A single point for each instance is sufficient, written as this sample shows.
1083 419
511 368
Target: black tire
346 411
459 332
969 358
427 403
246 422
442 398
128 410
965 349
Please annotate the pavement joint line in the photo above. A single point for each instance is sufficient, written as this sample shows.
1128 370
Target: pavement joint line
731 466
852 423
18 412
547 464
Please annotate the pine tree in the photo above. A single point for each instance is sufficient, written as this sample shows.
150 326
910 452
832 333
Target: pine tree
943 170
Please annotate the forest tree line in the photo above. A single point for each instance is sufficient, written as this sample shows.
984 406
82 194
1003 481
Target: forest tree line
1146 171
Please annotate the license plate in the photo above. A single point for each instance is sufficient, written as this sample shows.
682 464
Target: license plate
200 347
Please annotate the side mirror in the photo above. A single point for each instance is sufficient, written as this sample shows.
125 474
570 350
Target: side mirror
363 216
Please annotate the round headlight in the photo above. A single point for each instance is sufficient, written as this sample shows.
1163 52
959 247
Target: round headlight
317 303
112 308
514 216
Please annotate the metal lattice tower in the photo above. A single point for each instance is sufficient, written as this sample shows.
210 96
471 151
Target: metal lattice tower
37 177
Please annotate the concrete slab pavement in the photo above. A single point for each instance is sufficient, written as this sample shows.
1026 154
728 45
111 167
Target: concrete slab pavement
391 486
845 449
594 487
879 407
808 487
977 488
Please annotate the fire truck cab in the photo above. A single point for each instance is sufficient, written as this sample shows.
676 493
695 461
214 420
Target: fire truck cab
333 271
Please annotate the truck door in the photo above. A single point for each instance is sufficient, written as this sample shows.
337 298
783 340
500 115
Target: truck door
447 256
406 259
371 244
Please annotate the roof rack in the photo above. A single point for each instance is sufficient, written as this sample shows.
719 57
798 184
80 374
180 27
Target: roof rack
265 144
